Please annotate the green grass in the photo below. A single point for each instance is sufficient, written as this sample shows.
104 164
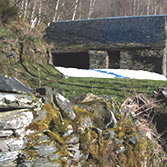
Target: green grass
6 33
116 88
36 75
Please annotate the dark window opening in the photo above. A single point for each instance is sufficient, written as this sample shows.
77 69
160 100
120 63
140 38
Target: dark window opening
114 59
75 60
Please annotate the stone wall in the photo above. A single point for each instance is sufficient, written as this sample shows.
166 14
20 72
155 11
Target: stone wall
145 59
149 60
98 59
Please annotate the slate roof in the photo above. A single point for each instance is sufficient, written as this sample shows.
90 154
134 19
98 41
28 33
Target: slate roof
108 33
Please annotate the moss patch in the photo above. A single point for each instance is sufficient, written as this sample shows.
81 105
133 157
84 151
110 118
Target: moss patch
126 148
53 128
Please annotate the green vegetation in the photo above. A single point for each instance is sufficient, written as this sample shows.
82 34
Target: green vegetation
38 75
53 127
7 12
103 150
117 88
6 33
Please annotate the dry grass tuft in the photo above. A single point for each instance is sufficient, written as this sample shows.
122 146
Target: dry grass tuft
143 109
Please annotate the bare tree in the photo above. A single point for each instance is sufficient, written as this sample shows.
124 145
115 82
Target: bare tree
25 9
80 10
33 11
75 9
148 7
56 10
141 7
39 12
91 7
36 11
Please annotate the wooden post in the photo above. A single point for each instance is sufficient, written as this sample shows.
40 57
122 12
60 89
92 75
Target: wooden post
164 64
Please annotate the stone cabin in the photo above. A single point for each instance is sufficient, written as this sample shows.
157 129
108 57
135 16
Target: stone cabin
137 42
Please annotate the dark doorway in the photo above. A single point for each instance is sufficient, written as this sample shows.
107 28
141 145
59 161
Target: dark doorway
161 127
75 60
114 59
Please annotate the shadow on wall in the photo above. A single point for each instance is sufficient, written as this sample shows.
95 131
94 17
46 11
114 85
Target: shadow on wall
161 127
74 60
82 60
141 59
114 59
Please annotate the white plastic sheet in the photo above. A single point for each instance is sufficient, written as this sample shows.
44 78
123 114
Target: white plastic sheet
110 73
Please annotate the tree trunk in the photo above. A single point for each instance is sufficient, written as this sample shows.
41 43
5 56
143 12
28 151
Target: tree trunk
134 8
80 10
33 23
75 9
91 6
56 10
33 11
25 9
148 7
39 12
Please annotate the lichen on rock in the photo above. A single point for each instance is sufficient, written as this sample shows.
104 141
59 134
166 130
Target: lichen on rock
99 133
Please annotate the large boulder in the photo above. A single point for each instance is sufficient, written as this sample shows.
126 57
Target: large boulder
98 106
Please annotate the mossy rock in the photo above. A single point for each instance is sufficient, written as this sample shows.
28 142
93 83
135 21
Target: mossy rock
123 145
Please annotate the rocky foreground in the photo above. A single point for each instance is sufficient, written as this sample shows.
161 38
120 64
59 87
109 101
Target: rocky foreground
41 128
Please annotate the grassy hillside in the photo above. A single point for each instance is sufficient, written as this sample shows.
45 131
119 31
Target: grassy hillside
38 75
117 88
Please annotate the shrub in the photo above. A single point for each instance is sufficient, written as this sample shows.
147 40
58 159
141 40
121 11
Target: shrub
7 12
